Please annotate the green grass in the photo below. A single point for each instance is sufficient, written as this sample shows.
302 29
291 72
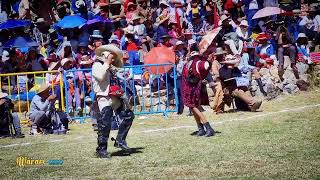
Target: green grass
279 145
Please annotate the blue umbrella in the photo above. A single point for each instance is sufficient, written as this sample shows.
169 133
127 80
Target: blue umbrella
98 19
14 23
71 22
20 42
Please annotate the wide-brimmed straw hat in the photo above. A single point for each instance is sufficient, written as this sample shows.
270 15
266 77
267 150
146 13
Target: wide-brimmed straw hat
118 55
136 17
5 56
302 35
219 51
114 38
230 59
164 3
3 95
128 30
179 43
244 23
53 66
131 4
65 60
194 53
224 17
43 88
114 2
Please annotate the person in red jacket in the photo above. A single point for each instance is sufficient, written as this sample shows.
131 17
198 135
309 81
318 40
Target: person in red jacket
193 73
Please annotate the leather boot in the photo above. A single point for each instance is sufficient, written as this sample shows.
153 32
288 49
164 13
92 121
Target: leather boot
127 117
261 86
201 131
255 106
295 71
210 131
104 128
280 73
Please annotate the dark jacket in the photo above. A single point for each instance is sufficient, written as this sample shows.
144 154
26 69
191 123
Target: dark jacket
227 73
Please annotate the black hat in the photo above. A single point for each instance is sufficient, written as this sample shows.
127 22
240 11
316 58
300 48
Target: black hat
165 36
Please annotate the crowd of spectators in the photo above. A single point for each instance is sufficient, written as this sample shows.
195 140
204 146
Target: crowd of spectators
136 26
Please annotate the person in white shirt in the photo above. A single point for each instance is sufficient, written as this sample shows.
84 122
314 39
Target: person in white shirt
243 35
108 56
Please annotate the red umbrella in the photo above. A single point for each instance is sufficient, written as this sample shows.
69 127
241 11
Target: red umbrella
207 40
160 55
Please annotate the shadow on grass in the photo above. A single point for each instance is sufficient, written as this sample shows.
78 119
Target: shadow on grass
195 133
128 153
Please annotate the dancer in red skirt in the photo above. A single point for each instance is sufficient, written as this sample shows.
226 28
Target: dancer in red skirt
194 72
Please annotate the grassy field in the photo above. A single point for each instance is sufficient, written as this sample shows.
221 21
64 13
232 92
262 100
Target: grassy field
282 141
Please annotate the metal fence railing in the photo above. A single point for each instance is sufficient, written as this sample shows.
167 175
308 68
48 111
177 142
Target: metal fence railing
22 87
148 93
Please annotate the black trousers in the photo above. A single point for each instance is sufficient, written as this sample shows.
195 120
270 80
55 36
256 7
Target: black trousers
125 125
104 128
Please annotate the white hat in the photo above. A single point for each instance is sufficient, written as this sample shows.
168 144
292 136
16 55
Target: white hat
96 34
65 60
5 56
226 12
114 38
219 51
179 43
114 2
43 88
66 43
136 17
129 29
194 53
191 41
224 17
3 95
53 66
110 48
164 3
244 23
296 11
230 59
302 35
40 20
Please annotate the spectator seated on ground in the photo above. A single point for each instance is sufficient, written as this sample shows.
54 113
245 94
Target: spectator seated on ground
43 115
265 51
233 85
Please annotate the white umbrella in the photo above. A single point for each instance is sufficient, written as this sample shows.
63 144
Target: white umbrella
267 11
